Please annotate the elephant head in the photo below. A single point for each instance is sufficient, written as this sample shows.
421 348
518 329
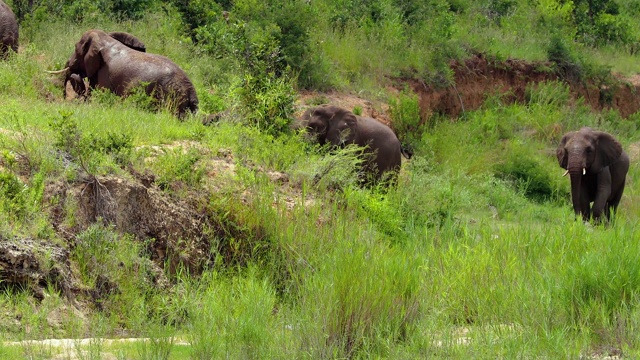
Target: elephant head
87 59
339 127
332 124
597 166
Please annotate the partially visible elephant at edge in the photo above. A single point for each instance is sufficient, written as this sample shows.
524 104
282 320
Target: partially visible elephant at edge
340 127
598 167
8 30
117 61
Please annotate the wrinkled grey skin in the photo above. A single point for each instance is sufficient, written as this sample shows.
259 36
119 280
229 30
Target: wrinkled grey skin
8 30
605 165
339 127
117 61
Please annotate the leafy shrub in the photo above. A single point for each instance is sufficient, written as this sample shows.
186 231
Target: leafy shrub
13 199
527 175
611 28
268 102
567 64
178 167
85 150
496 9
82 10
115 144
405 113
599 21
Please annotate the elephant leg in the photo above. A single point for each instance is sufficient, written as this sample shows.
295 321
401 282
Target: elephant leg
603 193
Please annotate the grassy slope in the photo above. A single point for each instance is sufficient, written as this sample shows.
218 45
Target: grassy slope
455 262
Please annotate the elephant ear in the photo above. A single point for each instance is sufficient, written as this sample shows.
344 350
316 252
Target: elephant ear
88 48
561 152
608 150
343 127
128 40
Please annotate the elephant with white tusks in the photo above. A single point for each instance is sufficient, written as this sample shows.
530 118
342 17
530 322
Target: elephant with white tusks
8 30
118 61
598 167
340 127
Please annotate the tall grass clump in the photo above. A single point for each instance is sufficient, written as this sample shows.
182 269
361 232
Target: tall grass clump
365 295
602 287
114 267
241 312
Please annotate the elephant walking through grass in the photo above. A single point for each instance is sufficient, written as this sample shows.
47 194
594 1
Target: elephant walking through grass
598 168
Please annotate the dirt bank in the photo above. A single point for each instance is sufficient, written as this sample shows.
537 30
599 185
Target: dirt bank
480 77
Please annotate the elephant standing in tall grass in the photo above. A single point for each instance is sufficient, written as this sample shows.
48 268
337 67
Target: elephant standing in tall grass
598 167
340 127
8 30
117 61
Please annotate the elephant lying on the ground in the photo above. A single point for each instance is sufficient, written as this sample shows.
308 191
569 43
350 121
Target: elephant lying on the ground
340 127
117 61
8 30
598 167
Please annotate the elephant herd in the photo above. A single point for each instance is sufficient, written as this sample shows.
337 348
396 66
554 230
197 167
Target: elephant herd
118 61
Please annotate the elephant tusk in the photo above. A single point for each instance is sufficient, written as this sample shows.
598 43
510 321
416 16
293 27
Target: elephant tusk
58 71
584 171
565 173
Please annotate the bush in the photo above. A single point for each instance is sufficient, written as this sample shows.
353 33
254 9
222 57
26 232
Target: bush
405 113
566 61
527 175
13 199
179 168
78 11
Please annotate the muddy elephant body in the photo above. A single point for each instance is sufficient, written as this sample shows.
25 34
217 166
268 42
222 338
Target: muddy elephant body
340 127
598 168
8 30
117 61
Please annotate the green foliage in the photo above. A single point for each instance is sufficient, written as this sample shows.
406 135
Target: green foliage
240 309
405 113
599 21
336 169
601 287
13 195
567 64
268 102
78 11
115 268
527 174
87 151
178 168
265 88
119 146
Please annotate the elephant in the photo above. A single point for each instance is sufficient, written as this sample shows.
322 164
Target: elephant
118 61
598 167
8 30
339 127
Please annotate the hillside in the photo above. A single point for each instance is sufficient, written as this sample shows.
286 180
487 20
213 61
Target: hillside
225 234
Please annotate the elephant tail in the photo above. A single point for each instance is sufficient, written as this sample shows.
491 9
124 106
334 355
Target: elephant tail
193 100
406 151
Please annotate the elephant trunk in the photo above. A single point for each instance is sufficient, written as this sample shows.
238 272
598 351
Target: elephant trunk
577 169
576 180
